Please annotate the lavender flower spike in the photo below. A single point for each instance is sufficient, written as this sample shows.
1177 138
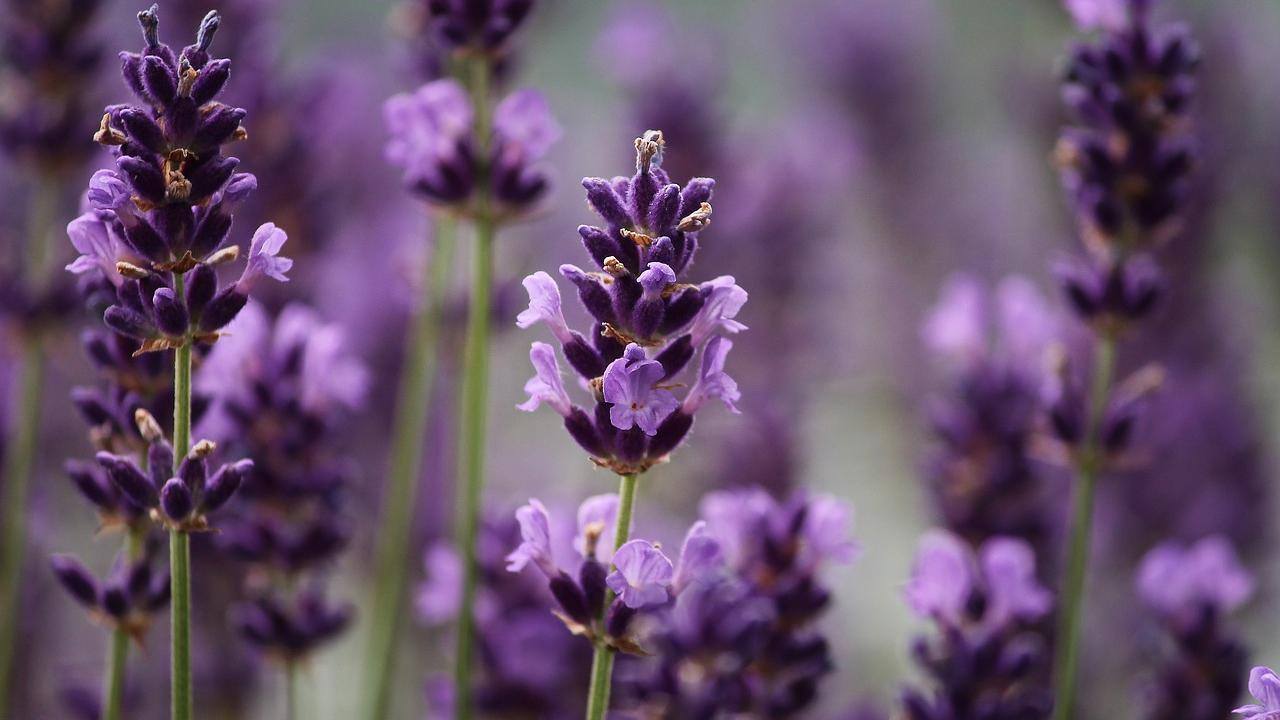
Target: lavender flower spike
1264 686
642 576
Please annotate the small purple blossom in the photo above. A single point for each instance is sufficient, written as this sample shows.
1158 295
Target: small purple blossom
724 300
1108 15
535 545
100 247
701 559
1180 582
1264 686
713 381
544 306
524 124
642 576
264 258
546 386
597 516
631 387
941 578
1013 592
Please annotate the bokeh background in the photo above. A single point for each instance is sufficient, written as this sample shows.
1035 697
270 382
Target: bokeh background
918 135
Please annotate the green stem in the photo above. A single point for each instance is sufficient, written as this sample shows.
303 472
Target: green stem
19 457
1089 466
414 403
291 690
475 384
118 652
602 660
179 541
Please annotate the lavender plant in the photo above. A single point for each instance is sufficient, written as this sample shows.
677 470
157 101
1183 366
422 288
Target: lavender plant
988 658
647 328
465 158
48 60
168 209
279 394
1191 591
1125 164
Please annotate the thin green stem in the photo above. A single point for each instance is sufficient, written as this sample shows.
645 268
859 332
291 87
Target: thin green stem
291 690
1089 466
475 385
179 541
19 460
602 660
412 407
118 651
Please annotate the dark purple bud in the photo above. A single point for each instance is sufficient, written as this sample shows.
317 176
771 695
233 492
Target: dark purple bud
114 601
128 322
75 579
570 597
592 293
676 355
626 293
160 462
210 81
644 188
222 309
89 402
632 444
582 357
647 316
217 128
663 251
681 310
202 283
599 244
606 203
181 117
159 80
665 209
211 233
175 499
224 484
211 176
583 431
129 479
605 431
591 577
171 315
695 192
619 619
194 472
138 580
98 351
143 130
147 179
158 595
92 485
146 241
670 433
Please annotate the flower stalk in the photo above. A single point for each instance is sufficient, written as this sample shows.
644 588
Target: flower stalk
602 659
118 653
179 540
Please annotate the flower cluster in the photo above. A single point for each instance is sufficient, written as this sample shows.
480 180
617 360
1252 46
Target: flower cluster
530 665
433 140
1191 590
987 660
126 599
159 223
742 639
49 60
1127 161
983 474
648 324
474 25
279 392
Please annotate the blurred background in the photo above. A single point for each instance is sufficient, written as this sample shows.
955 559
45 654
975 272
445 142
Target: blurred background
866 151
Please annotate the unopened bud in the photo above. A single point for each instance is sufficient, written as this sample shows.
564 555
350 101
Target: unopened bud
649 150
203 449
225 255
697 220
148 427
129 270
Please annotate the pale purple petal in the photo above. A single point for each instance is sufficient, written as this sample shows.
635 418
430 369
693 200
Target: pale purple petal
942 577
1027 324
439 595
546 386
629 386
264 258
1264 685
642 574
1009 567
524 119
544 306
1098 14
724 300
425 125
701 558
713 381
656 278
535 533
1179 582
956 328
827 524
597 514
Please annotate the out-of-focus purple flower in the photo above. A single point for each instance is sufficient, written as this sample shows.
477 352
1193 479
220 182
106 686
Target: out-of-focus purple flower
1264 686
433 141
1181 582
1099 14
701 558
642 574
941 578
535 545
439 595
1013 591
479 26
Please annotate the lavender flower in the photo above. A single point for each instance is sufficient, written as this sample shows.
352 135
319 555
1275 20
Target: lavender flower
1191 591
475 25
642 575
126 600
988 657
1264 685
433 141
648 324
740 637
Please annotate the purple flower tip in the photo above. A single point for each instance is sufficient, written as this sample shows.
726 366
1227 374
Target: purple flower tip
535 533
656 278
546 386
724 300
544 306
641 576
701 558
1009 567
1264 686
523 122
713 381
1179 582
264 258
941 578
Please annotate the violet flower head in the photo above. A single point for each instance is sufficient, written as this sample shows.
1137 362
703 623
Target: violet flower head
433 141
477 25
168 204
1192 592
1264 686
127 598
648 323
988 656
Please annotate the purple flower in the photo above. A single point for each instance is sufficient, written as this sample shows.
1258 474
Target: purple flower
957 327
546 386
713 381
99 245
597 524
1179 582
630 385
438 597
942 578
724 300
1013 592
1108 15
535 545
430 131
264 259
828 522
642 576
544 306
1264 686
523 124
701 559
